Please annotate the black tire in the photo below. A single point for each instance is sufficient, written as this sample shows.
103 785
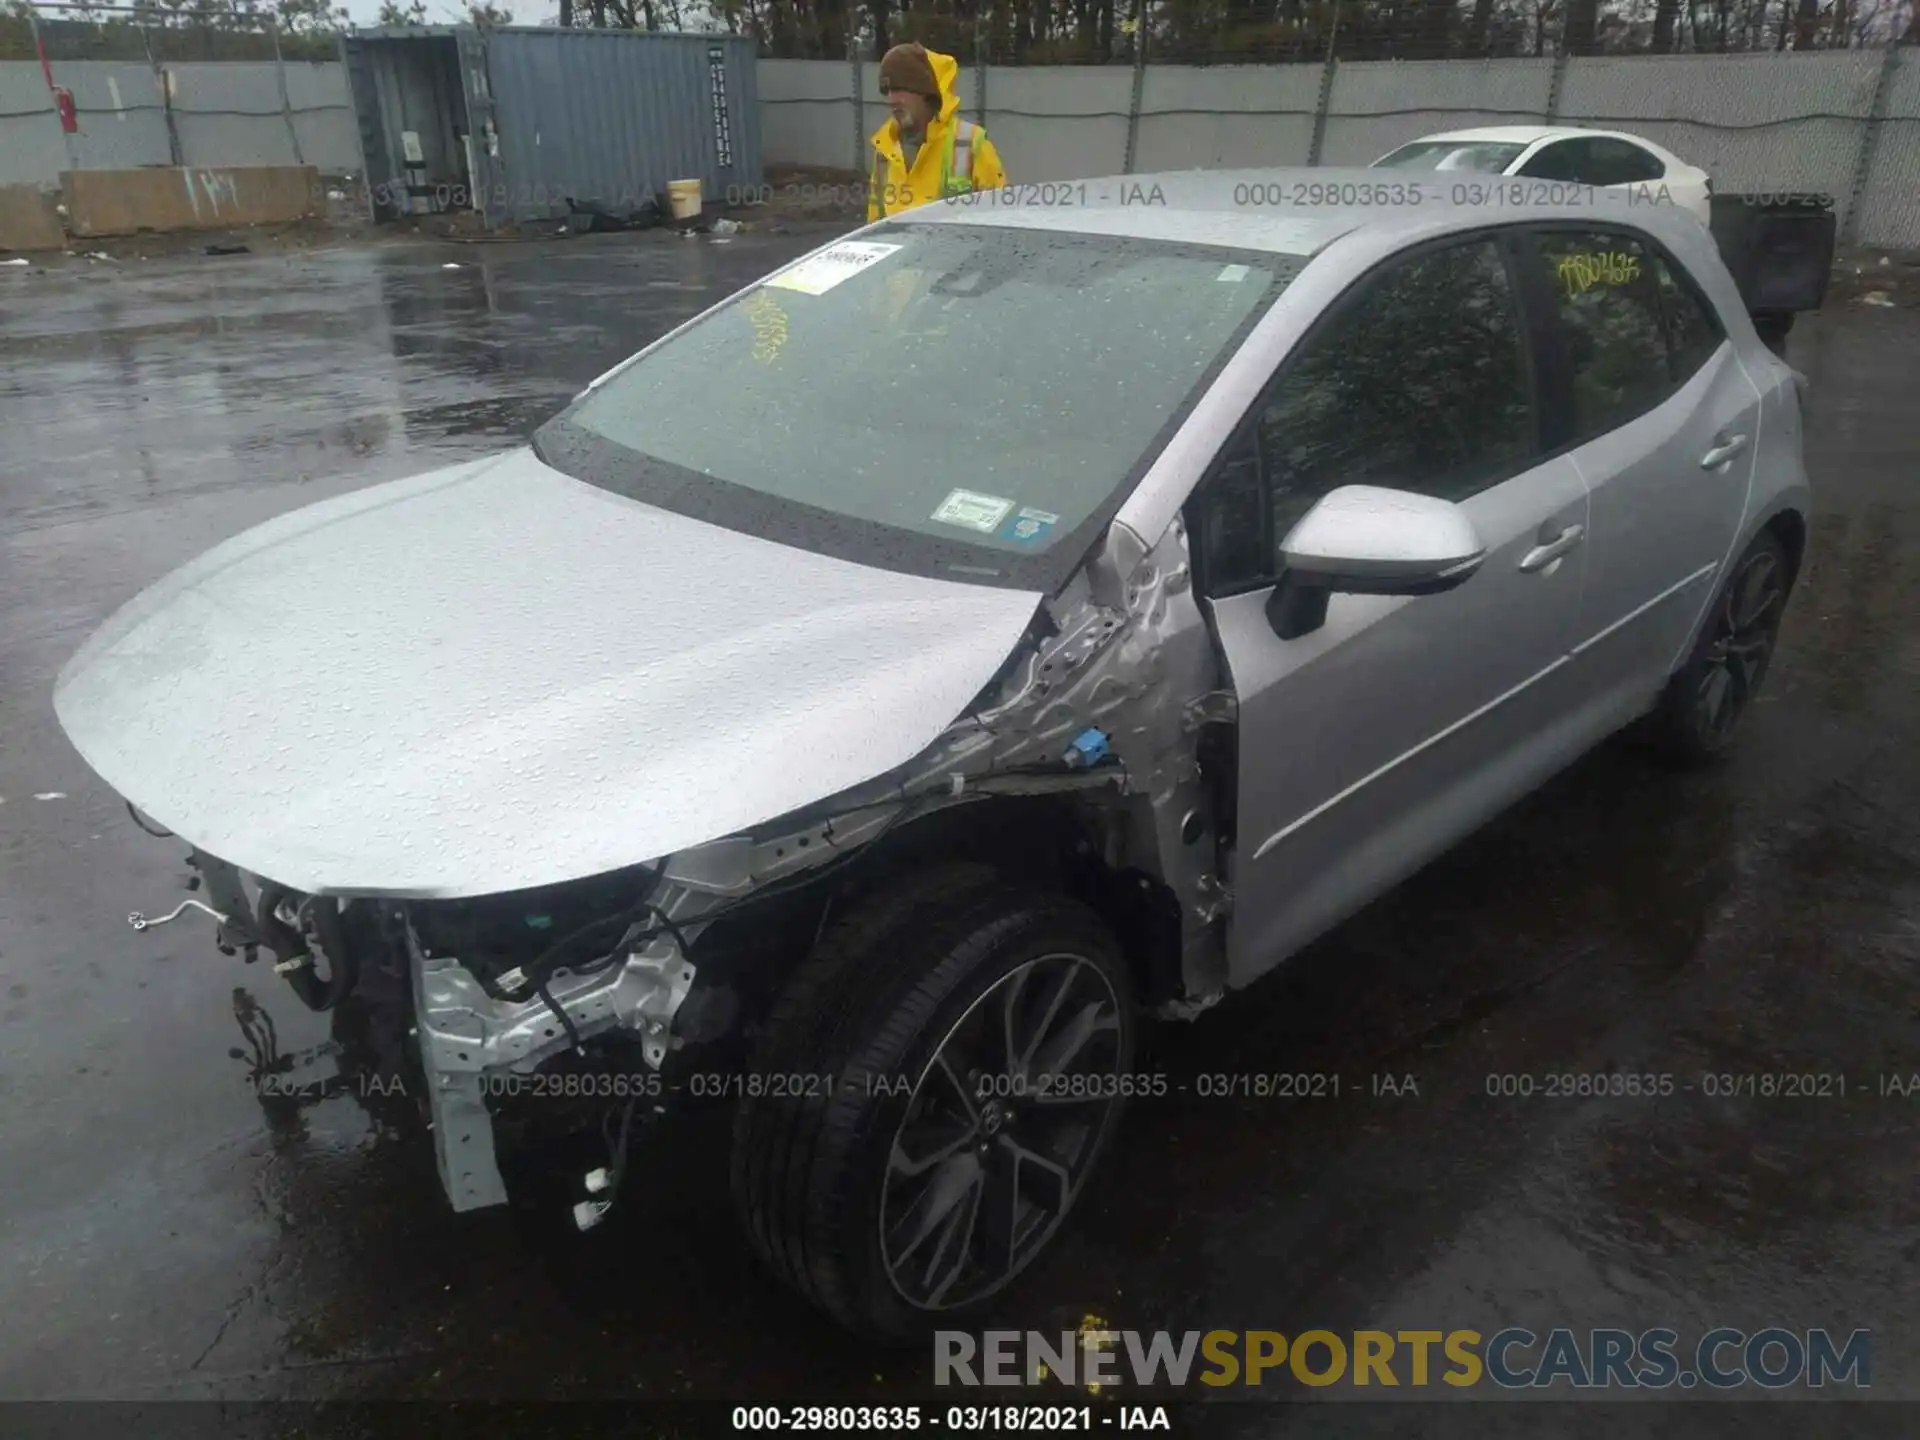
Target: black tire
1700 711
828 1161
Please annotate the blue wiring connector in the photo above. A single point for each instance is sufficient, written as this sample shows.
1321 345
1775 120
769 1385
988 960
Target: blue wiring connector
1088 749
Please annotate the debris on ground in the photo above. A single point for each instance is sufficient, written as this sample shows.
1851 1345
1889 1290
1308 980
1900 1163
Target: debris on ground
17 260
1878 298
726 227
226 250
591 217
450 265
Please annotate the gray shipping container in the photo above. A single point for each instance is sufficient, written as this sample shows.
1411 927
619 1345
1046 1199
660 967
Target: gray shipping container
520 123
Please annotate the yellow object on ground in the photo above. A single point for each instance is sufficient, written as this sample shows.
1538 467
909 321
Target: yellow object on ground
684 197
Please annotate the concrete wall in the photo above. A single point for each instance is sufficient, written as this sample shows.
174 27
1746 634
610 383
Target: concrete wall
225 113
28 220
1759 122
123 202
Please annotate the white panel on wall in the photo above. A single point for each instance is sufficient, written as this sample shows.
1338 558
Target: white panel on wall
1379 105
1056 122
1269 120
1890 206
806 112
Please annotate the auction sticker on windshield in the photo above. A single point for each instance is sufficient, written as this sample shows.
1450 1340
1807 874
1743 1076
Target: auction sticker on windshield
833 266
973 510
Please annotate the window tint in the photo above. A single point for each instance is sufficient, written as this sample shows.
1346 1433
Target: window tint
1693 330
1621 162
1604 291
1562 160
1419 382
1594 160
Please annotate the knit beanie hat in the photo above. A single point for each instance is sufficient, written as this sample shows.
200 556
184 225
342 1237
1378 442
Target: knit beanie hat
906 67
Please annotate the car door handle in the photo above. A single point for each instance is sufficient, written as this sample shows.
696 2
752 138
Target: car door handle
1544 555
1723 451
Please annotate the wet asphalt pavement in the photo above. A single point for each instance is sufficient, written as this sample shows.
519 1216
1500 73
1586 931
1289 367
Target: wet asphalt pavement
169 1230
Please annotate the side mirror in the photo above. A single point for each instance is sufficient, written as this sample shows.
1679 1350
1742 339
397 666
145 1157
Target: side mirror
1366 540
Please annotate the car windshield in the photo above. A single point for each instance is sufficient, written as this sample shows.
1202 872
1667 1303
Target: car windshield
1481 157
953 400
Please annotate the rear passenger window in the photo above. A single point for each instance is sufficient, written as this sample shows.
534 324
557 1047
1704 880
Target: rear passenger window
1621 162
1693 330
1605 291
1562 160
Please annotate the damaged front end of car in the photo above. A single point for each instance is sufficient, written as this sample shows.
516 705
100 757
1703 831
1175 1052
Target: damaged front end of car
1101 717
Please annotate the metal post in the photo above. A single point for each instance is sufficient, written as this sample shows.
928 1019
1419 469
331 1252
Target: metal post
980 62
1875 122
175 154
53 94
859 102
286 105
1557 77
1325 100
1139 82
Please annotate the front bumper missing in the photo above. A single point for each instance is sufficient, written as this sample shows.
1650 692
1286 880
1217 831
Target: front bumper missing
466 1036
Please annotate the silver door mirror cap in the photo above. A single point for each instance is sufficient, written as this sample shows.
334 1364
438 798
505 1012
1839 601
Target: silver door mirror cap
1369 540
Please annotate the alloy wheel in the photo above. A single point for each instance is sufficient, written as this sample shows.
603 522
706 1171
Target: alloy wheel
1745 625
1000 1131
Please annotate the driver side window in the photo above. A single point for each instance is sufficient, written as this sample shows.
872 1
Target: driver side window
1418 380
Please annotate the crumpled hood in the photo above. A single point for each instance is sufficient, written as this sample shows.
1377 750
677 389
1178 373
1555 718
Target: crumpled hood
496 676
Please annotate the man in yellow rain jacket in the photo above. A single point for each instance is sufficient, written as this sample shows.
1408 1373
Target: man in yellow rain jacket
925 150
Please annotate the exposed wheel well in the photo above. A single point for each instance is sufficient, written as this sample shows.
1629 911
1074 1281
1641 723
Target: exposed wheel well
1046 843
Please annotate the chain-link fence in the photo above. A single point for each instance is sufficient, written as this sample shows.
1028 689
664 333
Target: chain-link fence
1241 32
109 87
1791 97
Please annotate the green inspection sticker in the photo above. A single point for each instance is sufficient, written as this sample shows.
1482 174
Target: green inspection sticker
973 511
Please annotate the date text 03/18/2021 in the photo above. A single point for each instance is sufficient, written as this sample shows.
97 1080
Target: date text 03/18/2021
951 1419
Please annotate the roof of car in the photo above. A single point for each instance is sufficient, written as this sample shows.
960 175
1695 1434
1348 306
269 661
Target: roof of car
1527 134
1288 211
1509 134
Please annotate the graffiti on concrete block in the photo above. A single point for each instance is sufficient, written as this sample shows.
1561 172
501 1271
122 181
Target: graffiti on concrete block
210 188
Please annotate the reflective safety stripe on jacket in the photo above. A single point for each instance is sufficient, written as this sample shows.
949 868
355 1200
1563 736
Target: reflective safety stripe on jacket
956 162
956 166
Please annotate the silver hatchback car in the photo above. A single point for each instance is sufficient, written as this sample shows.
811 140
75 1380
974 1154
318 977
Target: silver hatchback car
870 702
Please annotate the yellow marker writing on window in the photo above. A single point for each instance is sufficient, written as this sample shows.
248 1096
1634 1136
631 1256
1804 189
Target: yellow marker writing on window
769 326
1581 273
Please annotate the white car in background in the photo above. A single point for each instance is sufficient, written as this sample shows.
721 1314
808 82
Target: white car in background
1601 158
